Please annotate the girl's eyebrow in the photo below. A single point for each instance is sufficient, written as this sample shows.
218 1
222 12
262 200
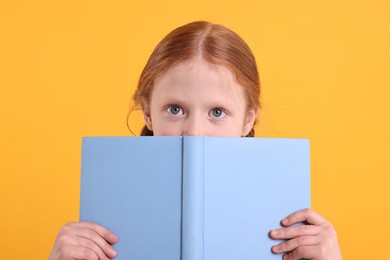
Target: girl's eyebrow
212 102
209 103
173 100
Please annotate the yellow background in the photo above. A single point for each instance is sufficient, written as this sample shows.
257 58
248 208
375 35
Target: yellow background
68 69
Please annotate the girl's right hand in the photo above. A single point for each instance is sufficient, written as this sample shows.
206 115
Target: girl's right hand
83 240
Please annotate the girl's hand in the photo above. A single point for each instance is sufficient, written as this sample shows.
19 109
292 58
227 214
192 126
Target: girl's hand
316 239
83 240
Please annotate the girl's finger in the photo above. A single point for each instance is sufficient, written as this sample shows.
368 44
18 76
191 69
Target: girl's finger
295 231
102 231
292 244
92 246
89 231
304 215
94 238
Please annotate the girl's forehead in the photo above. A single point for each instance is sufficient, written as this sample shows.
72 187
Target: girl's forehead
197 70
199 81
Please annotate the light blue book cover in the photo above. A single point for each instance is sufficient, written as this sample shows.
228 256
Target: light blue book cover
193 198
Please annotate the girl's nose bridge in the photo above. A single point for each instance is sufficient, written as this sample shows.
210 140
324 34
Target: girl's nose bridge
195 125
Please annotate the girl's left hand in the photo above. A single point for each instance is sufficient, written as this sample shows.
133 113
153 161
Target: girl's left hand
316 239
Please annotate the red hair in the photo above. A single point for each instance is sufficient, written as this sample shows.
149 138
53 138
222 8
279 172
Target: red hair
216 44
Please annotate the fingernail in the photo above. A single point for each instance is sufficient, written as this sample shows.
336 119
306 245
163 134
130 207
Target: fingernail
285 221
275 249
274 232
115 238
113 252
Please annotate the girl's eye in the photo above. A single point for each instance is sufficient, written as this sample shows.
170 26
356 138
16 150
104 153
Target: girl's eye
217 112
175 110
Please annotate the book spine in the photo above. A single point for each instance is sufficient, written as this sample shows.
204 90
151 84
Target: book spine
192 198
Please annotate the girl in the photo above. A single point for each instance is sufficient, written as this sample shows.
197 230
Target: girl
202 79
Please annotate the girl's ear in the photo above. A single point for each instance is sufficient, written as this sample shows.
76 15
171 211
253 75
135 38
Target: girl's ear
147 118
250 119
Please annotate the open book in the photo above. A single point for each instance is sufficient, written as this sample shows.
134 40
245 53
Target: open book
193 198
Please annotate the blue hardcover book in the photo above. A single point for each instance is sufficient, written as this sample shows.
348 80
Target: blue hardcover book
193 198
